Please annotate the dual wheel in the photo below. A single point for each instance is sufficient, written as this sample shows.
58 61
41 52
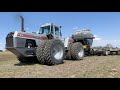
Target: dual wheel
51 52
76 51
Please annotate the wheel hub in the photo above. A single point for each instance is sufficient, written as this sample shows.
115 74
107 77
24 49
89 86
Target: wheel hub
57 52
81 53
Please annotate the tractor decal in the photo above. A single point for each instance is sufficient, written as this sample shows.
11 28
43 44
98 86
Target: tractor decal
30 36
70 40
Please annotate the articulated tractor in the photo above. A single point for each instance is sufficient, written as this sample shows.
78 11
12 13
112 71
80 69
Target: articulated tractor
48 46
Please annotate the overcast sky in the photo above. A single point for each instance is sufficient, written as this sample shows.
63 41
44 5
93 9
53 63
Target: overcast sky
104 25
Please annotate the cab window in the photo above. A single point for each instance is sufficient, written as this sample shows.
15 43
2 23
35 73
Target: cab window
57 31
44 30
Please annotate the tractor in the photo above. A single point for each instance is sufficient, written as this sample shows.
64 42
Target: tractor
48 46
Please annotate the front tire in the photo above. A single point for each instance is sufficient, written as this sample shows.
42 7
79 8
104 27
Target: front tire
54 52
51 52
26 59
22 59
39 53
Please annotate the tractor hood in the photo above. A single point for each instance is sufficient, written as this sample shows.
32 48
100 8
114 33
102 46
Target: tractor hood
22 43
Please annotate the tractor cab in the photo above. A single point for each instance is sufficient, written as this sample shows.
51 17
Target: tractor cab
51 29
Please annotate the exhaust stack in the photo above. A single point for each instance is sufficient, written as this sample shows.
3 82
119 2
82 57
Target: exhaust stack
22 24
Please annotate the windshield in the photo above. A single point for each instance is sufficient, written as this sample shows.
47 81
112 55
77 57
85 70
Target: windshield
44 30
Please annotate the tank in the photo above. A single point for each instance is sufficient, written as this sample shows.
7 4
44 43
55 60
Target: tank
82 34
85 35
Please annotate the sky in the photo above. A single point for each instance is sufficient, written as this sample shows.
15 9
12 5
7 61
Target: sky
104 25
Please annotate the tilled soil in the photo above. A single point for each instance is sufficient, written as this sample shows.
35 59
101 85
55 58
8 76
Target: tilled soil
90 67
6 56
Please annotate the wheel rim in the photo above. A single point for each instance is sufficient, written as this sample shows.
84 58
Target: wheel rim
57 52
106 52
81 53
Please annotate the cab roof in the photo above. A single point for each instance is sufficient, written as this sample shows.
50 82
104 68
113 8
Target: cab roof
48 24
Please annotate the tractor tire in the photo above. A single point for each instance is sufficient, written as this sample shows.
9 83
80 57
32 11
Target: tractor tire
23 59
117 53
68 53
105 53
99 53
39 53
77 51
92 52
111 53
54 52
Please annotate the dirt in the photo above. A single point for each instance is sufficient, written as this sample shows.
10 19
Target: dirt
6 56
90 67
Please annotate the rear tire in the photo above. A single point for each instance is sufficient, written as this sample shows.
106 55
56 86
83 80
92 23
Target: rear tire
77 51
68 53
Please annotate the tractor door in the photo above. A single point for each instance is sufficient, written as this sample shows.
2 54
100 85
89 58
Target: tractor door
57 32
